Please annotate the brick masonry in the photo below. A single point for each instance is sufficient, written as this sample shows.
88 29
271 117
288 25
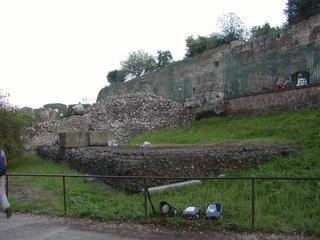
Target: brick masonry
287 100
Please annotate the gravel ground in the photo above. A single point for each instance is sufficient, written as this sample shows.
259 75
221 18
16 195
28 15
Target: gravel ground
156 232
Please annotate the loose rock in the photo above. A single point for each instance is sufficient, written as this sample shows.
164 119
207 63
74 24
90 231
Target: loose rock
126 116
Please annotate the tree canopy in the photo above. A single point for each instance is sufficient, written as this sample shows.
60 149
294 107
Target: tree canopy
62 108
299 10
263 30
164 58
232 28
138 63
116 76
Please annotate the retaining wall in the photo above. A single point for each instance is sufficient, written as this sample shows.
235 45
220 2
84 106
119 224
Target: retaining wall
165 161
286 100
237 68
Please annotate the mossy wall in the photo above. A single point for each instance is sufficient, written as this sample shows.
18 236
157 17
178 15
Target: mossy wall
238 68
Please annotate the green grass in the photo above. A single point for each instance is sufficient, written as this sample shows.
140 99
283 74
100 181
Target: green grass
88 199
280 206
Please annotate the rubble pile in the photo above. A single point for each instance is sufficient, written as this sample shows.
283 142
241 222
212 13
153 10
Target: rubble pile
126 116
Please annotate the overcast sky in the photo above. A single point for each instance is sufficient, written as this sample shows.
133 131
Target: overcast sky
61 50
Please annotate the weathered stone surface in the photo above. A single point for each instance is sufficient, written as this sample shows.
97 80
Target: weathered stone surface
209 101
101 138
78 109
288 100
166 160
45 114
146 144
237 68
113 143
73 139
126 116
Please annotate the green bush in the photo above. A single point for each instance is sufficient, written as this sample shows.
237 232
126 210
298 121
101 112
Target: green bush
25 117
62 108
11 125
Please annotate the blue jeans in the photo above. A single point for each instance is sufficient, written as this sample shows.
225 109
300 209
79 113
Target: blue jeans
4 204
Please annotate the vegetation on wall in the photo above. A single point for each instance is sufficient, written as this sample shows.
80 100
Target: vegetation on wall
139 63
164 58
116 76
232 28
196 46
264 30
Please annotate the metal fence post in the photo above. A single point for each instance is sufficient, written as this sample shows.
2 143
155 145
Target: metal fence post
253 195
145 199
7 186
64 195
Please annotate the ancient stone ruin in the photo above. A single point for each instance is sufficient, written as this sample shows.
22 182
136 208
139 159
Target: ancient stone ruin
124 116
165 160
207 81
239 78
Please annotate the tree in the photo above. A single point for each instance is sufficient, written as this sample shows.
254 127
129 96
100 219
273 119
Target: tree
266 29
62 108
10 133
196 46
4 103
116 76
139 63
164 58
232 28
299 10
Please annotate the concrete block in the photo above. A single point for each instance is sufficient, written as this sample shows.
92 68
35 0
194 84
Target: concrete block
73 139
100 138
83 140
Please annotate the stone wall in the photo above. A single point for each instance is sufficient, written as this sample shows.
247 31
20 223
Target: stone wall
286 100
85 138
178 81
237 68
165 161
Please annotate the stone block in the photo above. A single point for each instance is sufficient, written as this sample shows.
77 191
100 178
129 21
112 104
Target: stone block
83 139
100 138
73 139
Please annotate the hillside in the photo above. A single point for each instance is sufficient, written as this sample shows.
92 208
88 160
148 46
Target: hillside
295 204
280 206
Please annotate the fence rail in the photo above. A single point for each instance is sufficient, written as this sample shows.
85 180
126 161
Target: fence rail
145 185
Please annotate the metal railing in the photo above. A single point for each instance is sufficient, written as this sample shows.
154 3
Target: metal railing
145 185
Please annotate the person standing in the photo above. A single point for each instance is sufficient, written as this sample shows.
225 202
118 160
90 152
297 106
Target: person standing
4 203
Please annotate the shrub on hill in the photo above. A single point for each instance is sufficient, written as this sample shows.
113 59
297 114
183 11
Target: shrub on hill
11 125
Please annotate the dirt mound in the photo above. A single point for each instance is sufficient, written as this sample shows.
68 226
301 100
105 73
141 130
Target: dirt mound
126 116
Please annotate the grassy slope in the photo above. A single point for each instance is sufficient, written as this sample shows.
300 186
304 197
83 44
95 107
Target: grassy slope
280 206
